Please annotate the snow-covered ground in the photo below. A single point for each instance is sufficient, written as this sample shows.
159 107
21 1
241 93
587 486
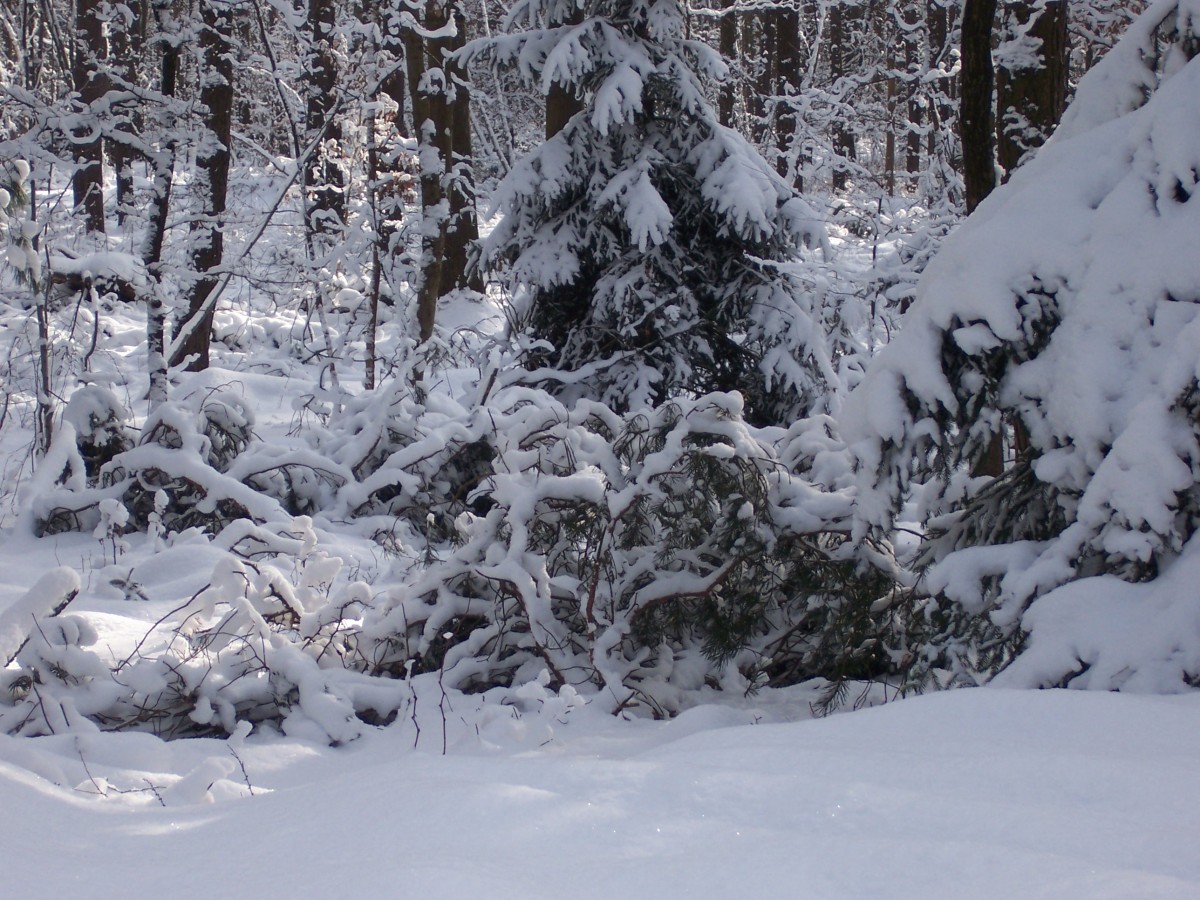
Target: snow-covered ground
973 793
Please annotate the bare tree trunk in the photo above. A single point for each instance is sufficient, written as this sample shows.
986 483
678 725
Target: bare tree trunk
324 182
937 18
727 44
212 176
44 418
765 26
787 85
463 227
976 122
889 138
378 249
916 34
1031 100
125 49
162 166
433 128
87 182
441 119
839 67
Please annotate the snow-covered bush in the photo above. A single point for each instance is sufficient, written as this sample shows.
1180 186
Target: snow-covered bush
99 421
259 642
185 450
652 247
409 459
1061 318
641 553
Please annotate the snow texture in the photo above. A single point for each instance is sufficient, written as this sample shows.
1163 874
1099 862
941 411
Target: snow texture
982 794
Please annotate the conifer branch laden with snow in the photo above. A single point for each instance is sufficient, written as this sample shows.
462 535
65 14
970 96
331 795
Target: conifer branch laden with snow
1062 316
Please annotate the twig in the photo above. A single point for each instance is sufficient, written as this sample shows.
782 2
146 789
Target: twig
242 765
99 790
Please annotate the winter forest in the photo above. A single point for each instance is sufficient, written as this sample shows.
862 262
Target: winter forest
630 418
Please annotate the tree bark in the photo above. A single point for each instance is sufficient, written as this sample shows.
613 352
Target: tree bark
442 122
561 103
463 227
916 35
212 174
125 50
727 32
1031 99
976 117
937 19
324 181
390 181
764 77
839 67
162 165
87 182
788 64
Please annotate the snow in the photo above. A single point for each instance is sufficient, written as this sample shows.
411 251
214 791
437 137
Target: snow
50 592
1119 636
533 791
981 793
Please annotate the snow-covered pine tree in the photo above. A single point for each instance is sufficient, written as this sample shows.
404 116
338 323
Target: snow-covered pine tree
654 248
1064 316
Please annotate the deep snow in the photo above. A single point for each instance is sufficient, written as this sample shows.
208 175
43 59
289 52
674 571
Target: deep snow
972 793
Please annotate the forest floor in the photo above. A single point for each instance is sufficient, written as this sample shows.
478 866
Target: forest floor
973 793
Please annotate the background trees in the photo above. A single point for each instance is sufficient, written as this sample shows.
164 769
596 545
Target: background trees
852 101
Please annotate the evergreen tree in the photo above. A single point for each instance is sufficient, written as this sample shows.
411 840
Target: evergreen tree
655 248
1065 310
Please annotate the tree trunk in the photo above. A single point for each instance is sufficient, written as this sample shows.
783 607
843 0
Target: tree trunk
916 35
432 128
787 85
937 19
561 103
324 182
441 119
162 166
212 176
125 48
764 76
1031 100
891 105
463 227
976 116
839 67
87 182
727 44
391 181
